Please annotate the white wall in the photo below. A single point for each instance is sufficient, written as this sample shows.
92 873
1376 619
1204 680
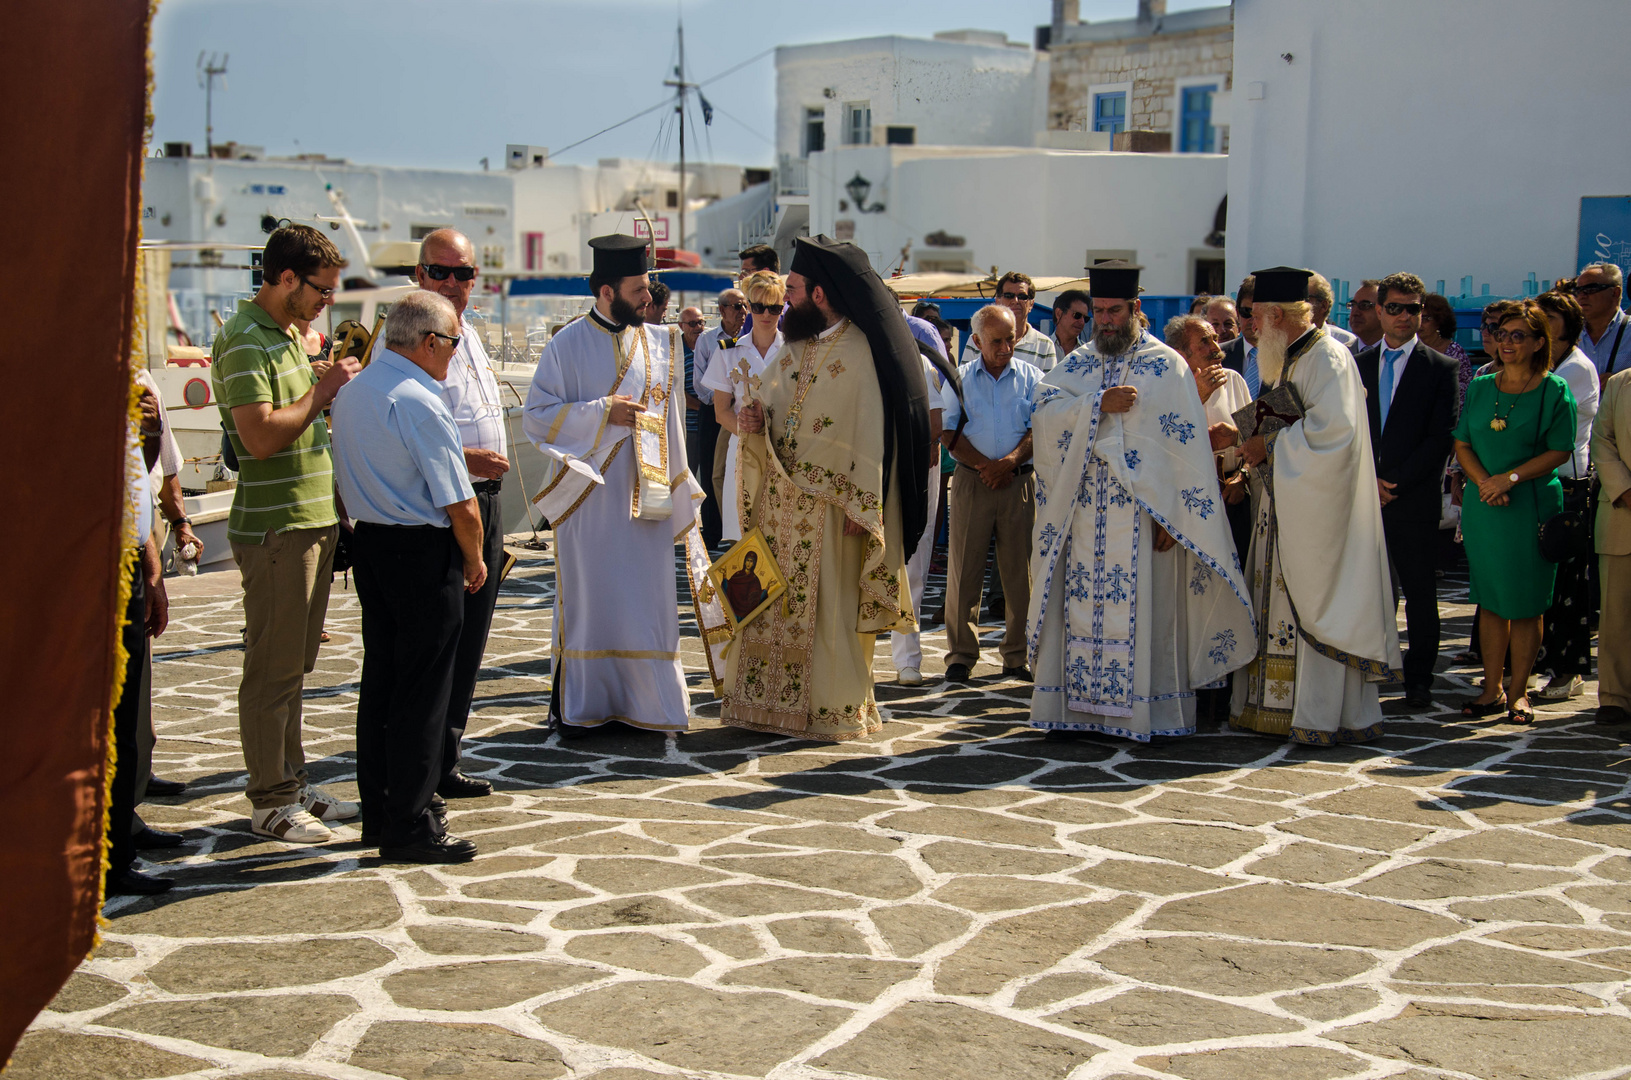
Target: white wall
954 93
1033 210
1446 138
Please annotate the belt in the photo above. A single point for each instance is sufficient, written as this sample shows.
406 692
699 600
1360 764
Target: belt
402 528
487 487
1019 471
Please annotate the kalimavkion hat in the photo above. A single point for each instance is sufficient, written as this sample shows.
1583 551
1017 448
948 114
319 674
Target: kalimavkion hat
1281 285
619 256
1113 280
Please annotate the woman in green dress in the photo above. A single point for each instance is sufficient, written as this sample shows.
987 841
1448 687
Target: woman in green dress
1516 428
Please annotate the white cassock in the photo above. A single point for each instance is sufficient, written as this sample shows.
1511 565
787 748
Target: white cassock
735 370
1120 635
907 648
1327 634
619 499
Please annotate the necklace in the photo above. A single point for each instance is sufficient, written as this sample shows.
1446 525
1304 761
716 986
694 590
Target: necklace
1498 421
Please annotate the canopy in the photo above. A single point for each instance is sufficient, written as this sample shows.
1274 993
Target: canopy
918 286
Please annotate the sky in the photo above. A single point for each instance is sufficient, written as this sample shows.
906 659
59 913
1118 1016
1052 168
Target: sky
445 84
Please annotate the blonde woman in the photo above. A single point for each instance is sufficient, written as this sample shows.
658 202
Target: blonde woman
733 375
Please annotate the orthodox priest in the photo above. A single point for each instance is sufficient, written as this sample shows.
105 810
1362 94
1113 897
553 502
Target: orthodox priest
1137 596
1327 635
834 457
607 411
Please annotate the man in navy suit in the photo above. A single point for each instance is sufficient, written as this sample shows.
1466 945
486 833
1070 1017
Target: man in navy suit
1411 394
1241 353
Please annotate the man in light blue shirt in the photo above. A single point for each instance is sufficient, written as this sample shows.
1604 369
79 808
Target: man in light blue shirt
992 491
416 550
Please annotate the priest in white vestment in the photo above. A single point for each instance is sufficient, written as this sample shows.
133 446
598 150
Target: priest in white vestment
1137 598
606 409
1327 635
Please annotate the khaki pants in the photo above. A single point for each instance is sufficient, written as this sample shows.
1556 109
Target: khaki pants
286 581
1614 632
976 513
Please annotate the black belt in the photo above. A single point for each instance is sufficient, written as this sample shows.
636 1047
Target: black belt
487 487
1020 470
403 528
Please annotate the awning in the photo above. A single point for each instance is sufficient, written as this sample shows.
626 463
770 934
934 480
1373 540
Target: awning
977 286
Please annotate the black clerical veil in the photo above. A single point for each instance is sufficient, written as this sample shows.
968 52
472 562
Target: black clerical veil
854 290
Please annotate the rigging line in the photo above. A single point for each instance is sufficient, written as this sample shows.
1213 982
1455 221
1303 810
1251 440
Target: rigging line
743 125
738 67
667 101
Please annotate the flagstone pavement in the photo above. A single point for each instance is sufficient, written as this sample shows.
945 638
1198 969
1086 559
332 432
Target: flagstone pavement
955 898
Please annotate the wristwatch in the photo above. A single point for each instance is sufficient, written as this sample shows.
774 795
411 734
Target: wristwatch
180 521
1514 477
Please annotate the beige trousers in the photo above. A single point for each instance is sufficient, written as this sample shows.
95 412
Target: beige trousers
1614 632
976 512
286 582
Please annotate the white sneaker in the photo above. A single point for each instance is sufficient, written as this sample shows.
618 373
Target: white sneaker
290 823
325 807
909 676
1561 689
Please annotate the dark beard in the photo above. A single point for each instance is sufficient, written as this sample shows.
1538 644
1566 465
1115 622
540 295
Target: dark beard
801 322
625 313
1115 342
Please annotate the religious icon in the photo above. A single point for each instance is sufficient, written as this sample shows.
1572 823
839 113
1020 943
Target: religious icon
747 578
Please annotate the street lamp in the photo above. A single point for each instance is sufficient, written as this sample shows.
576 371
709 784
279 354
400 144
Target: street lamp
859 188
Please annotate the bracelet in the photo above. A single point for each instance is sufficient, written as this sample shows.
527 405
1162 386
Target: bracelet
180 521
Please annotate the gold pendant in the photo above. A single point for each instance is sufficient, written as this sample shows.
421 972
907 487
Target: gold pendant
1498 424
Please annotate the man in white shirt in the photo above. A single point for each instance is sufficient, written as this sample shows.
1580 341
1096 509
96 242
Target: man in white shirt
447 266
1598 290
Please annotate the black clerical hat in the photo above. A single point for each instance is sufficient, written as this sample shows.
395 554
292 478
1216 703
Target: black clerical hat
619 256
1113 280
1281 285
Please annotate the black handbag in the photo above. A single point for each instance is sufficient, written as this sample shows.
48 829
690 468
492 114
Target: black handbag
1566 534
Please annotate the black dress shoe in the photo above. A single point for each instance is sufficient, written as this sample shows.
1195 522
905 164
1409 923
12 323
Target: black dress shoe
957 673
438 810
1061 735
996 610
149 838
446 848
1019 671
1418 697
132 882
157 785
460 786
569 731
1612 715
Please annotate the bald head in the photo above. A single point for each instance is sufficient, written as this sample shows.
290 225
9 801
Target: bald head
447 250
691 325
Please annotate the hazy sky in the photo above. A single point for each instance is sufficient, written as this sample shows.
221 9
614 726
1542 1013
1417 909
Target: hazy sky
444 84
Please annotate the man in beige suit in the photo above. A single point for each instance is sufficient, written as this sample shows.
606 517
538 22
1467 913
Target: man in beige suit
1611 454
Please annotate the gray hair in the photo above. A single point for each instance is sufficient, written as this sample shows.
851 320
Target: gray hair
1181 330
419 313
1610 271
985 314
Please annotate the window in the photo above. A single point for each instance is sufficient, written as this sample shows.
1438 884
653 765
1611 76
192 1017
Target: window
673 198
1196 135
815 130
899 135
419 232
1110 112
858 123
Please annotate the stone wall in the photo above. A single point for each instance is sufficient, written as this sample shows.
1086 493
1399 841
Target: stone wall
1152 63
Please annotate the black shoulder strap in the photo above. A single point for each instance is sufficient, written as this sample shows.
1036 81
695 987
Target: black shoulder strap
1608 369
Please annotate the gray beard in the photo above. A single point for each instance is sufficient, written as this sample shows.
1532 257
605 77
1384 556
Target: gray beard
1272 343
1115 342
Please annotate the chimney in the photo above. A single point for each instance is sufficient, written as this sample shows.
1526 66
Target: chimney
1150 11
1065 13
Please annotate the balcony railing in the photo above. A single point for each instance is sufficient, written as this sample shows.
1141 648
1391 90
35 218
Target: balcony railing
792 176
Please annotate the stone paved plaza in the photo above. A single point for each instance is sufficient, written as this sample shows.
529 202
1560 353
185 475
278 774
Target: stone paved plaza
956 899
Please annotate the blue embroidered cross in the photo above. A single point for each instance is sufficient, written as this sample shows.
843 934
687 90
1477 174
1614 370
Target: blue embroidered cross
1131 458
1200 579
1109 678
1115 582
1197 502
1041 492
1079 582
1239 567
1118 495
1078 362
1049 534
1173 427
1077 676
1064 441
1144 365
1223 644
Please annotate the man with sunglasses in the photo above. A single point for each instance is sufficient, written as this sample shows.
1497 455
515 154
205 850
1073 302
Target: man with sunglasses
1364 322
1605 342
1072 311
1412 396
1241 353
1017 293
283 525
713 441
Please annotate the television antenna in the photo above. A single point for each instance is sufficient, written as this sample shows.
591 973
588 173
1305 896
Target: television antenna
208 71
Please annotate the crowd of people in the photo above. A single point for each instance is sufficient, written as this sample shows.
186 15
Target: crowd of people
1218 524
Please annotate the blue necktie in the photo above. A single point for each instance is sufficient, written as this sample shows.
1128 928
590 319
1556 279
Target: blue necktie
1254 381
1389 358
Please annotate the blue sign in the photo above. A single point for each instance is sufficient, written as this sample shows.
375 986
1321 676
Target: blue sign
1605 231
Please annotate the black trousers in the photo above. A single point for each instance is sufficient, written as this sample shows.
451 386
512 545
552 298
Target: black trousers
699 455
1412 548
1565 643
478 620
126 714
411 585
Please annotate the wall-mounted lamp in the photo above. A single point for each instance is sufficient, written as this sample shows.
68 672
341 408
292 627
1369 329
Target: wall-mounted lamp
859 188
1287 57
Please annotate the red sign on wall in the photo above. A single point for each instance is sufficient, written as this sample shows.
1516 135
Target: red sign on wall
660 224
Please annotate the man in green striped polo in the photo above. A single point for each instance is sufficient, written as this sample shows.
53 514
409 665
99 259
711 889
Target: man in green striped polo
283 524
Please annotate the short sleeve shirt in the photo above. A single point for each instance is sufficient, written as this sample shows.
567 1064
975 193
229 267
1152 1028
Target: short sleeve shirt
256 360
999 410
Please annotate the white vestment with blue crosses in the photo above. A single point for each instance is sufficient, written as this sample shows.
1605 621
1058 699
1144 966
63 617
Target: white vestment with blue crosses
1121 636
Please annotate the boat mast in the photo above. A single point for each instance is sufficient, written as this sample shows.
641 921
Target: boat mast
680 87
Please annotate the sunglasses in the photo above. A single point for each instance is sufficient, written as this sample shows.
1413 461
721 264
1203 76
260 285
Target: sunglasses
1245 311
1490 328
1514 337
451 339
1593 289
766 309
733 307
437 272
326 294
692 323
1013 296
1362 305
1395 308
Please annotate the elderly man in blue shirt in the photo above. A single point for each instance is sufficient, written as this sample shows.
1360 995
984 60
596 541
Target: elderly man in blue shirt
416 549
992 491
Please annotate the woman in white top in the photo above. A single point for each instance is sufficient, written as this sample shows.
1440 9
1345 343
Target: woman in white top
733 376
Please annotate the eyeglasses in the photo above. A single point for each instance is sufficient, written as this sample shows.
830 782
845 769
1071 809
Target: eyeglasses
1393 307
1593 289
766 309
1362 305
733 307
326 294
693 323
437 272
1491 327
1078 315
451 339
1013 296
1514 337
1245 311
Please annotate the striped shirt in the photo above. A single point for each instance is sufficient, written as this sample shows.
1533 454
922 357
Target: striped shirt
1034 347
255 360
